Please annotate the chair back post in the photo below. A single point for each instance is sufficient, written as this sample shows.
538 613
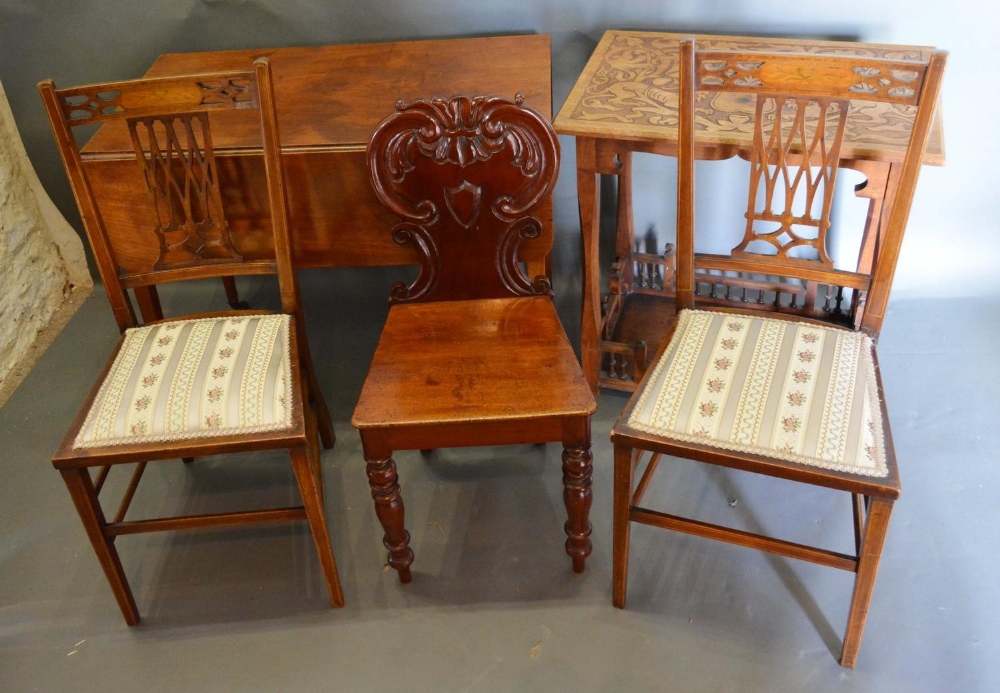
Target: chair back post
887 253
685 178
277 191
465 174
90 213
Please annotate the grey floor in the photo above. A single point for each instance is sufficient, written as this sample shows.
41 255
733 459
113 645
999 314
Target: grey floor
494 605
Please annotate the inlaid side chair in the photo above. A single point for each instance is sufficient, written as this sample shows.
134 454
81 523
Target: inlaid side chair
472 353
770 364
205 384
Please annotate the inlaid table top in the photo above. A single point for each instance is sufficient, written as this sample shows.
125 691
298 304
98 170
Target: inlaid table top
628 91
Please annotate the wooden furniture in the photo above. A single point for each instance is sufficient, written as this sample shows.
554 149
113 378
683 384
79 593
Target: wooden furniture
212 383
472 352
792 397
331 98
625 101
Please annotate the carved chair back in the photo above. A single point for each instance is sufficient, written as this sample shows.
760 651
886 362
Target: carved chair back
801 108
465 175
169 121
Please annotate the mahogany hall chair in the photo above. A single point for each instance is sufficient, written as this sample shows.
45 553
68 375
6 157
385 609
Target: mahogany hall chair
770 365
205 384
472 353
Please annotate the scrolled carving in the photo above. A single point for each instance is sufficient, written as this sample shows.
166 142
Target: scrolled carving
635 84
465 174
513 277
406 233
462 131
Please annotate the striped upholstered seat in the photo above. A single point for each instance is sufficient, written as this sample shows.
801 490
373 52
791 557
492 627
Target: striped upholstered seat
193 378
789 390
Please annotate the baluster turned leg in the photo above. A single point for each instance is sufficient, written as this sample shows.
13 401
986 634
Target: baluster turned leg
577 481
384 482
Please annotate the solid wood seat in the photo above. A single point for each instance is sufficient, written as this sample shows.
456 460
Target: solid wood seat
209 383
775 372
467 365
472 353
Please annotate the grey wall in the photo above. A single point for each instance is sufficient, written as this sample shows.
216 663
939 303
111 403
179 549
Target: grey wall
80 41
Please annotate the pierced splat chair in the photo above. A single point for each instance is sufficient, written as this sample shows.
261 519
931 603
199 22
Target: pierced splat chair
210 383
775 373
472 352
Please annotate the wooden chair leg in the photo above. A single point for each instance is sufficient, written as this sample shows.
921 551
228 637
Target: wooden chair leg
81 489
577 467
871 552
622 525
384 482
315 512
323 421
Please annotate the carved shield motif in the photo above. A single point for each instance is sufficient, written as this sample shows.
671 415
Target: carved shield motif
464 202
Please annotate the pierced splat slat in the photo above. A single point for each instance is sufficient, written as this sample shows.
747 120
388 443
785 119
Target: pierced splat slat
794 163
177 161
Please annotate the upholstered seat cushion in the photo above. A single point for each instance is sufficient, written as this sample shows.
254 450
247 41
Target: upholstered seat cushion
789 390
193 378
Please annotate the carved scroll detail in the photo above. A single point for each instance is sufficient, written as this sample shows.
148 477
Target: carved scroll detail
636 81
177 161
405 233
465 174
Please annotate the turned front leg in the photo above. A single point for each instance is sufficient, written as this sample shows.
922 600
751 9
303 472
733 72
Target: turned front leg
384 482
577 481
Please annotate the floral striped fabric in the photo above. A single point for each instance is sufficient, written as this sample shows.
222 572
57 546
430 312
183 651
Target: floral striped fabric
193 378
789 390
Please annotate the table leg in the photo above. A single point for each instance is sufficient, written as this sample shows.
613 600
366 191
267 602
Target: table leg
590 322
881 179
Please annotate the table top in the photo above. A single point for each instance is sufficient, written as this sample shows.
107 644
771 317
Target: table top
628 91
332 97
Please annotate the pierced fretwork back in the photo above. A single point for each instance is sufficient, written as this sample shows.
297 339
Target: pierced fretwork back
782 181
169 120
801 107
465 175
177 161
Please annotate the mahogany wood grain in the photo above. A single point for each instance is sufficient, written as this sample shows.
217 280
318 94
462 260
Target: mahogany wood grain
472 353
169 120
777 77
